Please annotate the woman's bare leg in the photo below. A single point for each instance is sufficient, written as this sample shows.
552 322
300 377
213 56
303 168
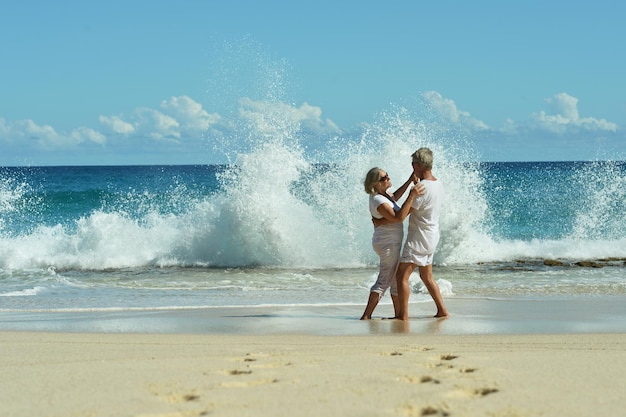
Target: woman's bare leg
372 302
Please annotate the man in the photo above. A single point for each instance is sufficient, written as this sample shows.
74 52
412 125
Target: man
422 236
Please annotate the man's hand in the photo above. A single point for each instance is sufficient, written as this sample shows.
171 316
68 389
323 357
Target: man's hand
378 222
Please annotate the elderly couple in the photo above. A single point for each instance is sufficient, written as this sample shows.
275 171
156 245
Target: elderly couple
424 205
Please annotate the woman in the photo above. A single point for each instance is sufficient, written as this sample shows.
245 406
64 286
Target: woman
387 238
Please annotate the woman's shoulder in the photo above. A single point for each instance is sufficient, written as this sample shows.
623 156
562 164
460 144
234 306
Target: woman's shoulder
379 198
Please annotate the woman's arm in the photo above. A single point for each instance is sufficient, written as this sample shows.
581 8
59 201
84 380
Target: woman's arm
390 216
397 195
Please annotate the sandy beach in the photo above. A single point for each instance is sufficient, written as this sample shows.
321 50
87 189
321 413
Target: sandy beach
402 374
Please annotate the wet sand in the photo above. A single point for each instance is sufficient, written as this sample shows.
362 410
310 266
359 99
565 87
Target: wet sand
468 316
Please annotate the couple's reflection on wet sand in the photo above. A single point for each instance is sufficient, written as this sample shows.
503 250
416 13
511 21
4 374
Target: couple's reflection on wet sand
419 324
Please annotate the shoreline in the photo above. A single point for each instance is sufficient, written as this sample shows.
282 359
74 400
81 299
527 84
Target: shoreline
189 375
546 315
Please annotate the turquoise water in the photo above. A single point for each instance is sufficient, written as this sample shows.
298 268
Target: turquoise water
155 237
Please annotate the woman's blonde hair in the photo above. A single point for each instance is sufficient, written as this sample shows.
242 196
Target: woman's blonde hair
372 177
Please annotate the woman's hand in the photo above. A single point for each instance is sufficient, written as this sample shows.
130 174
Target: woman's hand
417 190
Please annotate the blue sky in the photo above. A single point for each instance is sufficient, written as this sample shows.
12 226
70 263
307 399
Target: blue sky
144 82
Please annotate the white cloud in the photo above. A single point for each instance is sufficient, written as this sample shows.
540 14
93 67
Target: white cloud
83 134
564 117
447 109
116 125
282 118
177 127
557 133
178 118
190 114
154 124
565 105
27 132
174 129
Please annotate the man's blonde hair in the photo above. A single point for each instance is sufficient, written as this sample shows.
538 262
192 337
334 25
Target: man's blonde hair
424 157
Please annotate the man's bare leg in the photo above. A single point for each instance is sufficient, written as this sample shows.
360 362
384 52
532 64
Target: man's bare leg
402 277
426 274
396 305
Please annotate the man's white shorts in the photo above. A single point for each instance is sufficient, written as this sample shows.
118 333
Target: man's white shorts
409 256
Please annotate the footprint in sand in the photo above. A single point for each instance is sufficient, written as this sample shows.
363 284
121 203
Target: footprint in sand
177 399
251 362
178 414
238 372
481 392
247 384
394 353
412 411
427 378
432 411
472 392
256 363
174 397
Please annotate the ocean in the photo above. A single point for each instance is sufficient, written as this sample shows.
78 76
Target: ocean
277 228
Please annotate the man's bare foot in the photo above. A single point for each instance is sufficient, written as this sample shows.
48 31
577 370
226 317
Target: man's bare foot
441 315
